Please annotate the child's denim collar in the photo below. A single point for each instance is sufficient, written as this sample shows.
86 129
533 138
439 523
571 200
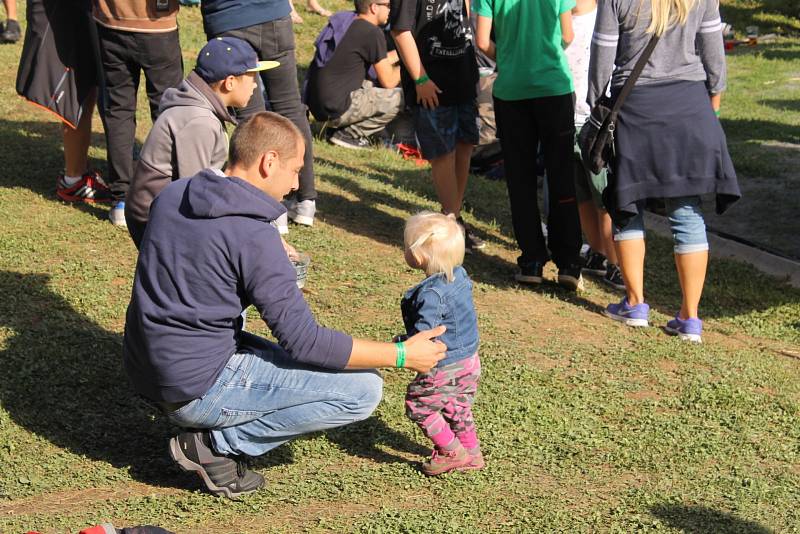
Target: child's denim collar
437 279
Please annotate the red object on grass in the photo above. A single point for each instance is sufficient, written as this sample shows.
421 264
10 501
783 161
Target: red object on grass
411 152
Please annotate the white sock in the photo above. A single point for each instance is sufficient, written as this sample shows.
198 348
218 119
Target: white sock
71 180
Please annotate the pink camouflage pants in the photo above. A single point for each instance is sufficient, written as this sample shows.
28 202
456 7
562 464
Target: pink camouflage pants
440 402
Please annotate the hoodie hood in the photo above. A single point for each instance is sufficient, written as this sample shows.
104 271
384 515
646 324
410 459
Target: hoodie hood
195 92
212 195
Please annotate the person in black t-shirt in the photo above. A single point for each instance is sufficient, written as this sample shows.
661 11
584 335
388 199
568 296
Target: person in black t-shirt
339 92
434 40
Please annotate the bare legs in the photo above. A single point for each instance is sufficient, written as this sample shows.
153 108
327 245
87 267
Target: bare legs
596 224
312 5
76 140
449 173
11 9
692 275
630 253
691 269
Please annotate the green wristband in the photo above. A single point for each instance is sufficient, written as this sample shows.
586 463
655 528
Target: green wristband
401 355
716 112
422 79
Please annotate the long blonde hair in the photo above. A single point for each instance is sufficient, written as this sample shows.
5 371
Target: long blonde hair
667 13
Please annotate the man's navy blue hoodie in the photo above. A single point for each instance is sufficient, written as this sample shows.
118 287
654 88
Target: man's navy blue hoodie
208 252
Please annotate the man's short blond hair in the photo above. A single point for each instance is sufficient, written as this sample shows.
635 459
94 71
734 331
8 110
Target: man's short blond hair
437 240
261 133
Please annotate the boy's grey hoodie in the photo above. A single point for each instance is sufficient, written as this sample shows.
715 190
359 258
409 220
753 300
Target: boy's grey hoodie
188 136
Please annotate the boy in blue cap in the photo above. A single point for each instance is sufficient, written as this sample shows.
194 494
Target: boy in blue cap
189 134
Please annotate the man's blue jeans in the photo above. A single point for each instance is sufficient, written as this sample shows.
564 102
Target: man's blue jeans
263 399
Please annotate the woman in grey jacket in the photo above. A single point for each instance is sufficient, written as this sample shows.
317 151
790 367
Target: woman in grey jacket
669 143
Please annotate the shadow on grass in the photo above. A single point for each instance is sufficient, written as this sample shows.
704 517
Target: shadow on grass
731 289
783 53
702 520
33 156
743 14
748 129
365 217
370 439
782 105
62 379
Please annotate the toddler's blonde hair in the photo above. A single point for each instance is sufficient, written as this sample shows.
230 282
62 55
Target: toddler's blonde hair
437 240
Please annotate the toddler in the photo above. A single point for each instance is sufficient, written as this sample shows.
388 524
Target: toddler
440 401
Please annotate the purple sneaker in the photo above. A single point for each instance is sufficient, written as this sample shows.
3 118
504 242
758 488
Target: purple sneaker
687 329
629 315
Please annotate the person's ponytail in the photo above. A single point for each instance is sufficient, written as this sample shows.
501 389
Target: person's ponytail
667 13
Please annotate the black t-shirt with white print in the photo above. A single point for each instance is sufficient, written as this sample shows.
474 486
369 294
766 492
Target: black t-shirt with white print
444 39
329 88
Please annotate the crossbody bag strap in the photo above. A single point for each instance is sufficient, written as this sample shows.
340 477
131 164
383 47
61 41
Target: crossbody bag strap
637 70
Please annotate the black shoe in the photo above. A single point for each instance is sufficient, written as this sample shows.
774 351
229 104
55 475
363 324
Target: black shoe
595 263
570 277
613 277
471 241
223 476
343 139
11 32
530 272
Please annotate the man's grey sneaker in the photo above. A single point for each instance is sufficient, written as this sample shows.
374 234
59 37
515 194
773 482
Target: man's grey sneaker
345 140
690 329
471 241
629 315
11 32
570 277
613 277
529 272
595 263
223 476
302 212
117 214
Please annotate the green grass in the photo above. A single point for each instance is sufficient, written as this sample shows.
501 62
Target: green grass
586 426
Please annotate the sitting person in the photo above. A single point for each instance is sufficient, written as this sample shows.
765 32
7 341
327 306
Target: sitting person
189 134
210 250
338 91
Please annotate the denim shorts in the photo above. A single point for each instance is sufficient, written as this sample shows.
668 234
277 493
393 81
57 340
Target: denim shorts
440 128
685 220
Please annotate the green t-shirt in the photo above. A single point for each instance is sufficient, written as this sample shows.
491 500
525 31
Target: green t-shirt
530 60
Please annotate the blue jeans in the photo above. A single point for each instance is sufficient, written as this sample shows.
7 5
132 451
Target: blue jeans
263 399
685 220
440 128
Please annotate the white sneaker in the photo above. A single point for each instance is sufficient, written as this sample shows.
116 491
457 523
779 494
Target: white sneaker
282 224
117 214
302 212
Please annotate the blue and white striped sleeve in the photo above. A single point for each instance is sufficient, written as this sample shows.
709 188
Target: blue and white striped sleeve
604 49
711 48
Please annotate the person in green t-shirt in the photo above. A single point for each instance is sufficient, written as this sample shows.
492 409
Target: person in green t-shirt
534 103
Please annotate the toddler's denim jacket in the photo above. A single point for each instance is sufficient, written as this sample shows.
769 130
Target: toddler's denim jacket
436 301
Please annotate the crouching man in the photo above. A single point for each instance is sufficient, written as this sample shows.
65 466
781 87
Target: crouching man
208 252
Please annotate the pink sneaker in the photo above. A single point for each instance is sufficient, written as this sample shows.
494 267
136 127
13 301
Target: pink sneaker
442 461
475 462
